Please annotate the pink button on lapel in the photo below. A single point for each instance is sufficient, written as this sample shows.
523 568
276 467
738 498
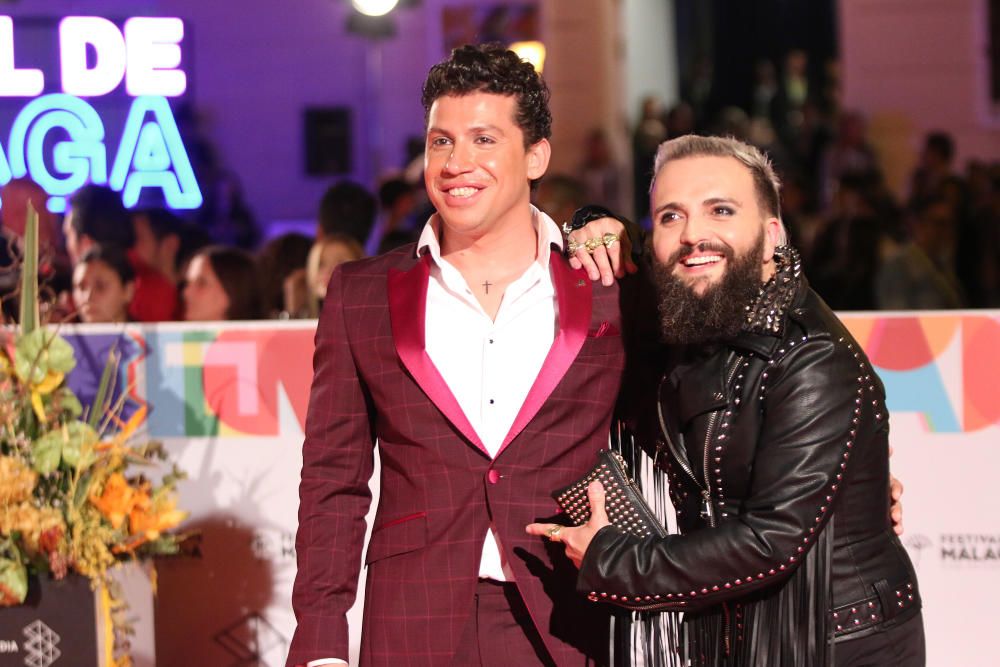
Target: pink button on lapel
493 476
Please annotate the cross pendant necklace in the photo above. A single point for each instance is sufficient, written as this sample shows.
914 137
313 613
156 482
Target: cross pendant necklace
486 286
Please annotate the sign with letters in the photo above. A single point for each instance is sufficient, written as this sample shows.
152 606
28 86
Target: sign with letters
88 101
230 399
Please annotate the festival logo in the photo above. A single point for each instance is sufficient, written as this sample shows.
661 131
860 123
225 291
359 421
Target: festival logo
911 353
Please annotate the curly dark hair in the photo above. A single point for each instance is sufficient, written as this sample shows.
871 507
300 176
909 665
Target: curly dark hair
492 68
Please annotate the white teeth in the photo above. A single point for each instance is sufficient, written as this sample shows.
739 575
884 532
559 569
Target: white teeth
462 192
698 261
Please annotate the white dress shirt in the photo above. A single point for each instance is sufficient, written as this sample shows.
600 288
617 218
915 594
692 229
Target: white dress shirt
488 365
491 365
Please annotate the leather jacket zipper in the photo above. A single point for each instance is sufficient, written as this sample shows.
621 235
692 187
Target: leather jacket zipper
709 508
706 490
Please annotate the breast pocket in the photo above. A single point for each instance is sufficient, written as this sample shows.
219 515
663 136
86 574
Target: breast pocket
397 536
595 346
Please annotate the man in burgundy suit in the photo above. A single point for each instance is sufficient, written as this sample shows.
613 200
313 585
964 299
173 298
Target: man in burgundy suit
466 357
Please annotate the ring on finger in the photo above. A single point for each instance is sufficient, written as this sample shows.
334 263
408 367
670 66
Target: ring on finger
610 239
553 533
593 244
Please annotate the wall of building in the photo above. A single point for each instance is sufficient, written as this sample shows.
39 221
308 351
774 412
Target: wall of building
917 65
650 53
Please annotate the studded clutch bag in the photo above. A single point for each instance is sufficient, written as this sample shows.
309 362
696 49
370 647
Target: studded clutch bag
626 508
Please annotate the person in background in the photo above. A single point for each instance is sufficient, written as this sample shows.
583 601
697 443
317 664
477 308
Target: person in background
599 173
795 82
849 154
394 227
346 208
935 175
765 89
846 253
15 196
221 284
226 214
279 262
650 130
158 240
326 255
103 285
908 277
96 216
53 266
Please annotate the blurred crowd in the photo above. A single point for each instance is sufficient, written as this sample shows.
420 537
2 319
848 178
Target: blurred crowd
101 262
864 247
932 244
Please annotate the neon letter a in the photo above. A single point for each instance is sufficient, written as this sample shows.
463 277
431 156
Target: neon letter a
151 155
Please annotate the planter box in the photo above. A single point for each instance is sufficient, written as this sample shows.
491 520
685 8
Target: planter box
60 623
56 625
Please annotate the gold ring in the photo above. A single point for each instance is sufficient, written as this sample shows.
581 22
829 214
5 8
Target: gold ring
573 246
610 239
593 244
553 532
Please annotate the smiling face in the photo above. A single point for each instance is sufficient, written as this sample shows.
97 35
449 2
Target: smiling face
706 215
476 167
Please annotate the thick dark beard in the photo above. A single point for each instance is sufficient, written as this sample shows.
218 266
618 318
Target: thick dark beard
687 318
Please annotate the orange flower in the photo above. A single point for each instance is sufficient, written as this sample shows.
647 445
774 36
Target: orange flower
150 519
117 499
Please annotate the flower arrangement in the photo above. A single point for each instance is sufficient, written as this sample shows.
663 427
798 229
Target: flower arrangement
70 500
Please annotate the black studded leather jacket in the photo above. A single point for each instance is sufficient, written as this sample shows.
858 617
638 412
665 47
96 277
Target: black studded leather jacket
776 449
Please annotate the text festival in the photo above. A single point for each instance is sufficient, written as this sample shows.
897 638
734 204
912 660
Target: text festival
58 139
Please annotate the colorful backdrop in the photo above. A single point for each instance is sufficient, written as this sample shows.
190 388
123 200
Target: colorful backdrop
229 401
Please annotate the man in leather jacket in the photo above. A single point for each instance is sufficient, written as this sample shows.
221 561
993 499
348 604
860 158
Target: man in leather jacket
772 428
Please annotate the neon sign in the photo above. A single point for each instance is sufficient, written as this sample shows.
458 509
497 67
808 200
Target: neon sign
59 139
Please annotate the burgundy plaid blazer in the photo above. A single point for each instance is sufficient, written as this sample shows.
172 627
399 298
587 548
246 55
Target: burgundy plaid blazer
439 487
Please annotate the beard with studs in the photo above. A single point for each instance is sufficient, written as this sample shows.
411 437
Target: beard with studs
716 315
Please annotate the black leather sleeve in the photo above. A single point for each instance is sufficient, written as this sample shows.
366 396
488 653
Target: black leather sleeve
811 402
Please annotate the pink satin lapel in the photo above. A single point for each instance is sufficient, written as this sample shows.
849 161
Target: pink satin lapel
575 298
407 311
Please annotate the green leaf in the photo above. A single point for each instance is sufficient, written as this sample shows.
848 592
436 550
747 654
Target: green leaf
69 402
29 273
29 362
79 436
82 489
162 546
38 352
47 452
97 410
13 582
62 358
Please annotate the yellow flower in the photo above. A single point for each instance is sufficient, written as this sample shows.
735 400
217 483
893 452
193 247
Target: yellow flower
41 528
17 480
48 384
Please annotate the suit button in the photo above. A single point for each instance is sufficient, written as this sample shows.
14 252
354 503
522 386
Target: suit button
492 476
